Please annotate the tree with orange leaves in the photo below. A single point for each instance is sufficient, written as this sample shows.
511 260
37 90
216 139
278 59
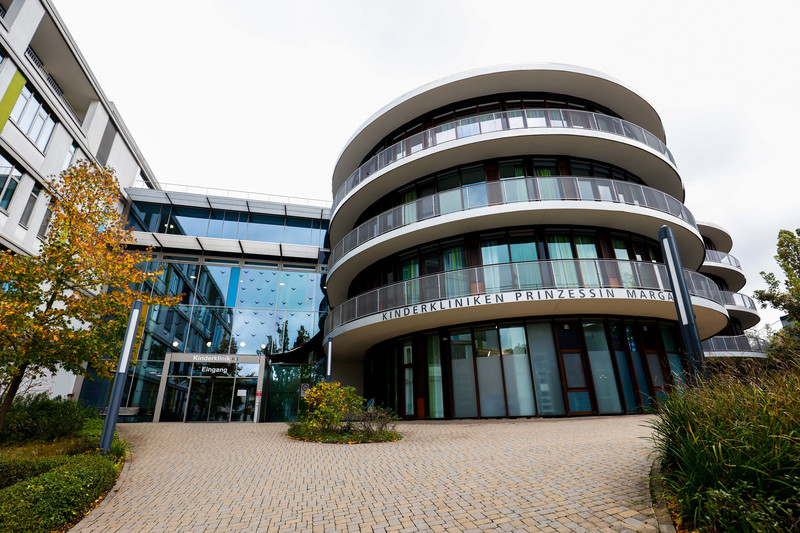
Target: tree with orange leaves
69 304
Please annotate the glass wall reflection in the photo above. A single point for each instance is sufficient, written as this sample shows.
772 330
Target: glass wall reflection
563 367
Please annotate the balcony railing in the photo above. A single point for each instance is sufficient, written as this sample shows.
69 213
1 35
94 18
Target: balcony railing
738 343
537 189
738 299
500 121
51 82
523 276
714 256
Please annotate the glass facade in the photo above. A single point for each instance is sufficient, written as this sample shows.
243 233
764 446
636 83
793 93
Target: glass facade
535 367
218 223
520 247
231 306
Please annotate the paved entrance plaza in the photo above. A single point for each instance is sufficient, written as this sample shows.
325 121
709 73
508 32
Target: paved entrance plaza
587 474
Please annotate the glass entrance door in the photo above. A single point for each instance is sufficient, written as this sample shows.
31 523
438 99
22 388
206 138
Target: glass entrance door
199 400
211 391
222 400
244 400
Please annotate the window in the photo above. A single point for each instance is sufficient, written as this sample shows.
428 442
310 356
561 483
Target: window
30 205
9 180
33 118
69 157
45 223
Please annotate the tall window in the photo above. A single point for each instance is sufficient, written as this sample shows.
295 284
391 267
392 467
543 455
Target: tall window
9 180
69 157
45 223
33 118
30 205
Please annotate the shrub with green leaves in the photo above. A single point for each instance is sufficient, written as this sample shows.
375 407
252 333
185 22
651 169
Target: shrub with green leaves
39 417
730 452
337 414
19 469
51 500
330 403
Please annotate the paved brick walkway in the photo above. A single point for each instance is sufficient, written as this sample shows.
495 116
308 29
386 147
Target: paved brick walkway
585 474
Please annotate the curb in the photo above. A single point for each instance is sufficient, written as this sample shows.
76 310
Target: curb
660 508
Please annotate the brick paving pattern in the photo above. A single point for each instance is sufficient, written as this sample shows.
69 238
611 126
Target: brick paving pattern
588 474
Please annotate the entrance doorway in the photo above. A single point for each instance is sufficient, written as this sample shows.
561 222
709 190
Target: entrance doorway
210 388
222 399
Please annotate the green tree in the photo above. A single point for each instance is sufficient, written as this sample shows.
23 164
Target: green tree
302 337
785 344
69 304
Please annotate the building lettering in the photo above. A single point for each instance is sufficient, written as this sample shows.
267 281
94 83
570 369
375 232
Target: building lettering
527 296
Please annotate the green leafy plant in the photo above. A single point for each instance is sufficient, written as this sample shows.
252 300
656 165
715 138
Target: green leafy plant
52 500
730 452
18 469
39 417
329 403
337 414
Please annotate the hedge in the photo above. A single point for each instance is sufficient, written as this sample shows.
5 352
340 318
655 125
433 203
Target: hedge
16 470
54 499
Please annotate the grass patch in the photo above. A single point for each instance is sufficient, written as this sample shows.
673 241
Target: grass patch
730 452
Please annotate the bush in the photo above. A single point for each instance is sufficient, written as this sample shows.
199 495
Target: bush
730 452
54 499
329 403
39 417
337 414
373 419
17 469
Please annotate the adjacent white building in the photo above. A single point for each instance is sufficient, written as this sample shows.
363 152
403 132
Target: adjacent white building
52 112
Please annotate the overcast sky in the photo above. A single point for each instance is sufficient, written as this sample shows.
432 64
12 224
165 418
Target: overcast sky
262 96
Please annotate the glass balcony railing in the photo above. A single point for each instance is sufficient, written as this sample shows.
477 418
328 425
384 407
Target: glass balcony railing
500 121
713 256
523 276
737 343
738 299
539 189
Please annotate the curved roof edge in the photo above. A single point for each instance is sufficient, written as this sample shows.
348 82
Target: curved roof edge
547 77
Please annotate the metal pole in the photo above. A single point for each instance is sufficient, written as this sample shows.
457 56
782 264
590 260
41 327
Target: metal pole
683 305
330 356
112 412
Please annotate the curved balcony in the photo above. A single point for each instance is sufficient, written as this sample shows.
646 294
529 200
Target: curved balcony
724 266
742 307
558 287
735 346
722 240
502 121
565 198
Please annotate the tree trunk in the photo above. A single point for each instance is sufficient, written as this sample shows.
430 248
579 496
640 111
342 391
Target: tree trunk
11 392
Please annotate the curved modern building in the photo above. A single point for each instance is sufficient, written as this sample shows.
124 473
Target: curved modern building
494 253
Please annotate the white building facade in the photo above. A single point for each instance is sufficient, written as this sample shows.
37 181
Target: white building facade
494 251
52 113
491 248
